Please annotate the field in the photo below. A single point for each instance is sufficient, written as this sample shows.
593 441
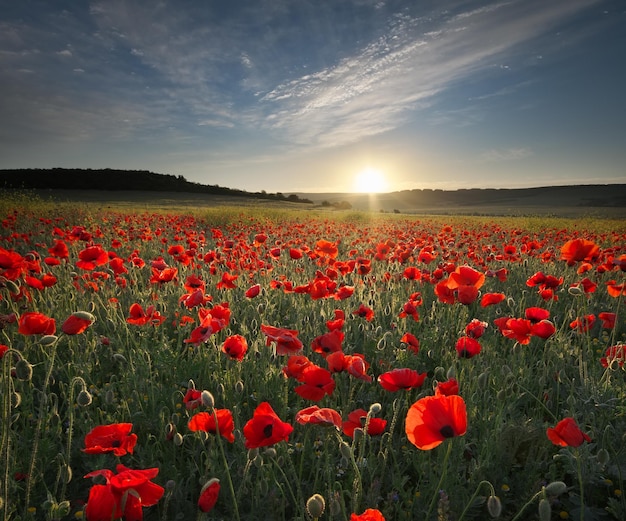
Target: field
163 360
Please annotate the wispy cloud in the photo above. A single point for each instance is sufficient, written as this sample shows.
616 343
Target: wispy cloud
509 154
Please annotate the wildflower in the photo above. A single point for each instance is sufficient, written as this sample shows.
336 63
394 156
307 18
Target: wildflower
411 341
77 323
115 438
356 420
371 514
567 433
467 347
364 312
476 328
616 353
578 250
253 291
287 341
235 347
123 495
139 317
91 257
208 495
265 428
319 416
397 379
35 323
205 421
432 419
328 342
316 382
449 387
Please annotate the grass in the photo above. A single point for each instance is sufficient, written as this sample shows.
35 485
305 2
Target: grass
140 374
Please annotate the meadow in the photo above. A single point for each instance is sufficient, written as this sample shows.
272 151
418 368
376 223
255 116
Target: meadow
244 363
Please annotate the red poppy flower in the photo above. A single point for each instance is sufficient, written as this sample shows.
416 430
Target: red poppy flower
535 314
3 349
467 347
235 347
115 438
91 257
433 419
364 312
328 342
253 291
59 249
356 365
338 322
228 281
583 324
319 416
205 421
35 323
295 365
449 387
287 341
489 299
566 433
616 353
316 383
139 317
326 249
578 250
123 495
163 276
476 328
411 341
519 329
543 329
77 323
371 514
192 399
208 495
608 319
356 420
265 428
410 307
398 379
614 289
195 298
343 292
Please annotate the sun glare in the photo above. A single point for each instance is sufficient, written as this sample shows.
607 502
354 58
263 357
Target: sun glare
370 181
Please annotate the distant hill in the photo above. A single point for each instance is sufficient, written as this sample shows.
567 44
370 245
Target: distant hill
120 180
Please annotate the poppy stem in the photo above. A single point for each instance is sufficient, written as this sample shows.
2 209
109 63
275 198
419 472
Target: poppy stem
443 474
471 501
229 480
580 484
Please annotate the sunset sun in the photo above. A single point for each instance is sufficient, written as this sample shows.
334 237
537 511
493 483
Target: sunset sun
369 181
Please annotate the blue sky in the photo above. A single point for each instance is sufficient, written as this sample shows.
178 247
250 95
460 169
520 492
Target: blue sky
302 96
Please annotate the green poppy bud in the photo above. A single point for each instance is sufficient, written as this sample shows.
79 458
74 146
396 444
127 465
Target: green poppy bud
494 506
545 510
23 370
556 488
315 506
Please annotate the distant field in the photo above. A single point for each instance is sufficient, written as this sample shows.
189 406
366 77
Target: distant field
569 202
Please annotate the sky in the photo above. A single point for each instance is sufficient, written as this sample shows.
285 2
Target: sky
319 96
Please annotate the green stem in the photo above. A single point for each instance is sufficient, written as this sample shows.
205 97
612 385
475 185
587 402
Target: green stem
443 474
37 435
580 484
229 479
469 503
528 503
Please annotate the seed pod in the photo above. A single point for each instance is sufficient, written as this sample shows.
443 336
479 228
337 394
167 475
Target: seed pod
556 488
545 510
23 370
48 340
315 506
494 506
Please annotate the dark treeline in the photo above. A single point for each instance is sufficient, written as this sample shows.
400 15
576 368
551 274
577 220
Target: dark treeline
116 180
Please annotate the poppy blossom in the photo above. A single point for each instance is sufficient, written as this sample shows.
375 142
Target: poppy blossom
138 317
319 416
12 264
115 438
489 299
403 378
433 419
77 323
123 495
338 322
265 428
356 420
566 433
316 383
608 319
583 324
35 323
364 312
205 421
287 341
295 365
614 289
450 386
235 347
208 495
616 353
91 257
228 281
328 342
411 341
371 514
192 399
253 291
578 250
326 249
476 328
467 347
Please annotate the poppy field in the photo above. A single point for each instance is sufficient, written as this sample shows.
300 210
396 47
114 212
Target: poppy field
241 364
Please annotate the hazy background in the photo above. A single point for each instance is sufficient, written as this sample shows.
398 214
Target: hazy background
301 96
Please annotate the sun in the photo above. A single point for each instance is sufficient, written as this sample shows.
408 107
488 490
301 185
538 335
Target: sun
370 181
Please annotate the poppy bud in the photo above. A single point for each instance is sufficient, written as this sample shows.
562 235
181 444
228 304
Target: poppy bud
315 506
603 456
84 315
271 452
556 488
335 506
84 398
16 399
375 408
239 386
178 439
170 431
451 373
109 397
48 340
575 291
23 370
545 510
483 379
59 510
120 358
494 506
345 449
253 453
207 399
66 473
170 485
11 286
